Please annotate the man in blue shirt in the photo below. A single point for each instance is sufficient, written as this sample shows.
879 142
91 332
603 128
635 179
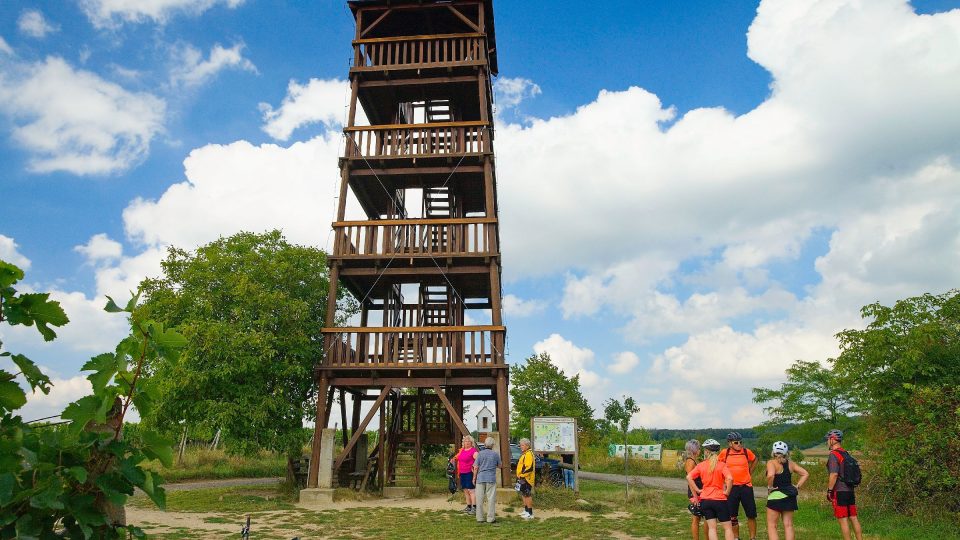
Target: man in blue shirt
485 475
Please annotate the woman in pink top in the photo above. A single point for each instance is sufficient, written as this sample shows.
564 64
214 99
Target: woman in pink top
712 497
464 460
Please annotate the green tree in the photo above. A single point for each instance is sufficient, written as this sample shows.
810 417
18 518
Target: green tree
902 370
539 388
813 400
618 415
74 482
252 307
812 393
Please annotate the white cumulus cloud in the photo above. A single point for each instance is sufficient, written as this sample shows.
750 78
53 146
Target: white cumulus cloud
193 70
33 24
318 101
569 358
5 47
72 120
100 248
514 306
111 13
624 362
9 252
511 91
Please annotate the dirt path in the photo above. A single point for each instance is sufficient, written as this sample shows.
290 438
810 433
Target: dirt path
229 482
677 485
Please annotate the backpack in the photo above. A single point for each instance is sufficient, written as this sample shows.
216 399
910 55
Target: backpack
849 468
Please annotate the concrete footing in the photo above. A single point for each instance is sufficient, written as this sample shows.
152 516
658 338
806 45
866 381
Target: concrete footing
317 498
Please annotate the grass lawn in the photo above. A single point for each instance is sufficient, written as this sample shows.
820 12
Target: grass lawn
219 513
203 464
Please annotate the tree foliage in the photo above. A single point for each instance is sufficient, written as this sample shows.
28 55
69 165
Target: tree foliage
812 393
539 388
902 369
75 481
252 307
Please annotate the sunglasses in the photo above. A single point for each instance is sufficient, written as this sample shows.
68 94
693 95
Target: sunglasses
737 442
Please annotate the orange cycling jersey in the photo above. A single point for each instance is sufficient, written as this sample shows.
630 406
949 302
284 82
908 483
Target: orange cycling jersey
739 464
713 481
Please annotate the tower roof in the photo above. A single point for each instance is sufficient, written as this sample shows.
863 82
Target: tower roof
427 21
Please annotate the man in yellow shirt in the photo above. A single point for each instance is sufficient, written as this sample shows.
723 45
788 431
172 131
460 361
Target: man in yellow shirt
526 475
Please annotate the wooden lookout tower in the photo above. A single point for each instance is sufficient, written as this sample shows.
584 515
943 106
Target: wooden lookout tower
424 260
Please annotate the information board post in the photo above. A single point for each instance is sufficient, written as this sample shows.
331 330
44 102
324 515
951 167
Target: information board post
557 435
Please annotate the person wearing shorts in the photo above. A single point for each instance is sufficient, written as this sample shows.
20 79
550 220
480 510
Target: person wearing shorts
741 462
717 482
464 460
781 492
526 476
841 495
691 453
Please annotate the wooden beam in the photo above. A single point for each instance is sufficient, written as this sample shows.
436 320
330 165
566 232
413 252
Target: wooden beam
451 410
376 22
360 429
418 81
464 18
388 329
416 271
503 426
419 171
414 382
420 221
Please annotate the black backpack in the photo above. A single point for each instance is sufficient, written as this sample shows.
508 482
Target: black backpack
849 468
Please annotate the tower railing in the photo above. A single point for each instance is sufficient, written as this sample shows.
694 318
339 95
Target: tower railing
444 50
412 347
418 140
415 237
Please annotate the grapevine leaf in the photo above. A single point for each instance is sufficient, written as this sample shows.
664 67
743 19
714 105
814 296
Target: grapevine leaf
12 396
157 447
83 509
78 473
114 488
9 274
38 308
132 303
112 306
129 469
104 367
32 373
81 412
49 498
156 493
7 482
143 402
27 528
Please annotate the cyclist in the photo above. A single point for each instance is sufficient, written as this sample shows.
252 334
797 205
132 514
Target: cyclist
712 497
741 462
691 453
781 493
841 495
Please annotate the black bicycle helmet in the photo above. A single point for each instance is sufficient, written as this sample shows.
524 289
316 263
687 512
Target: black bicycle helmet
834 434
734 436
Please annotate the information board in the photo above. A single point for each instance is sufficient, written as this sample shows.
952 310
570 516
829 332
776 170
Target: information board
554 434
639 451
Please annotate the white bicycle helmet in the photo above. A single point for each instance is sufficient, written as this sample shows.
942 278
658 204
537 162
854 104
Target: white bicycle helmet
780 447
711 444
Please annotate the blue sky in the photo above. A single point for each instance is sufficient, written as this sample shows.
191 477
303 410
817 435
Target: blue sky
721 184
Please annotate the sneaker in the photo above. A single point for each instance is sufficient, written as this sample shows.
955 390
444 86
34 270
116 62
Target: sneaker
526 516
467 510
